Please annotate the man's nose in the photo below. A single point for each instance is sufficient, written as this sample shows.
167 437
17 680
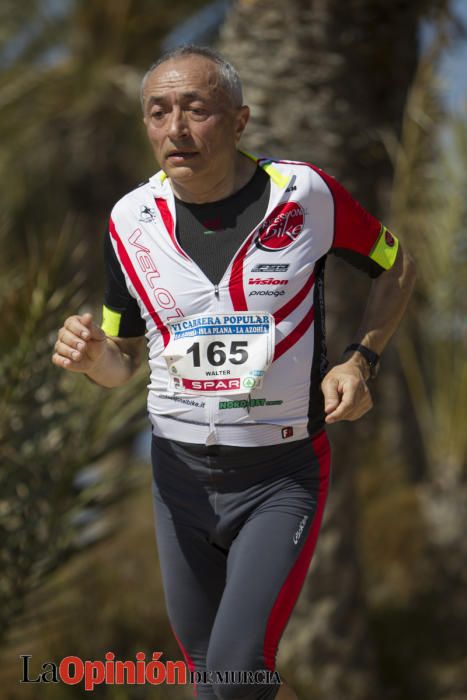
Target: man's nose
178 126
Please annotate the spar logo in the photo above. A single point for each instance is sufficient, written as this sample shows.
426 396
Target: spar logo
282 227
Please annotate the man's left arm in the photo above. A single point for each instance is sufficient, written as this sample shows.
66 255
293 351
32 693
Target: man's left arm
346 394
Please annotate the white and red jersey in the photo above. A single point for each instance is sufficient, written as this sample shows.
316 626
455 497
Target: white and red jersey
277 270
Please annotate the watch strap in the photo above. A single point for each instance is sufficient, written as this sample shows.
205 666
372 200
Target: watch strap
370 356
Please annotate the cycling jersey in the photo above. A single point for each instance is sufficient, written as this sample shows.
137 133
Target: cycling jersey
273 285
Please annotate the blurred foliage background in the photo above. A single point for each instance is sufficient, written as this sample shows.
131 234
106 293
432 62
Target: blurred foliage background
383 614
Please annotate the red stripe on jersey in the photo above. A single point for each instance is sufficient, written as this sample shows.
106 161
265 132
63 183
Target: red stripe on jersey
188 660
291 305
293 584
138 285
293 337
167 218
237 292
354 227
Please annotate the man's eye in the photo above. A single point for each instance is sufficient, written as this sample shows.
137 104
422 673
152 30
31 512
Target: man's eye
157 114
198 112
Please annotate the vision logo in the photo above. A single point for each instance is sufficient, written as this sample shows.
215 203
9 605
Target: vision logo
282 227
269 280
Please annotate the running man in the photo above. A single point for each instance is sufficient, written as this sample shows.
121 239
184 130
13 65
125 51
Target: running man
217 264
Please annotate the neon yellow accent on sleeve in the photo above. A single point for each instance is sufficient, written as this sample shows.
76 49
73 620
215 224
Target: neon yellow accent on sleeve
384 251
110 321
277 177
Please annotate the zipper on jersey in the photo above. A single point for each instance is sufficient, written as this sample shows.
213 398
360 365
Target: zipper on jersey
212 435
212 403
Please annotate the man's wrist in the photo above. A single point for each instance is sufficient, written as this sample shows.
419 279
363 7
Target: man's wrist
99 366
366 359
357 360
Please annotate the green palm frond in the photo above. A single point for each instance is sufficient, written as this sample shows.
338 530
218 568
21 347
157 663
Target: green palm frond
52 425
72 144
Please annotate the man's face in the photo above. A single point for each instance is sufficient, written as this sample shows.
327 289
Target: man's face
191 122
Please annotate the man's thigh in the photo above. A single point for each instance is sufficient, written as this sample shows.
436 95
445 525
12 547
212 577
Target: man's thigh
267 565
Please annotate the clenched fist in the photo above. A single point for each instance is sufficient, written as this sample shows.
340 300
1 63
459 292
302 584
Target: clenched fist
346 395
80 344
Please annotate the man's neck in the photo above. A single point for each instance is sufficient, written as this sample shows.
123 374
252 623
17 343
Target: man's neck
233 180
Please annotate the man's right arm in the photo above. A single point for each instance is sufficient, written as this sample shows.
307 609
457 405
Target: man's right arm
111 354
82 346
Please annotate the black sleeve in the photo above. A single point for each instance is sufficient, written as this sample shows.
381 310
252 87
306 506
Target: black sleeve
121 313
361 262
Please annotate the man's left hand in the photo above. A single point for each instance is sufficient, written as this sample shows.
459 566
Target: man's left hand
346 395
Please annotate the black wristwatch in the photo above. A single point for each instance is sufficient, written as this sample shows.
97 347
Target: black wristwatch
371 357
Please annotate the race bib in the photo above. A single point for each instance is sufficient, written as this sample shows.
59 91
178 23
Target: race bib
224 353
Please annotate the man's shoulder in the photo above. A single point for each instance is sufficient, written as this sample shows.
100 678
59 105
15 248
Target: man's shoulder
284 161
315 177
137 197
287 163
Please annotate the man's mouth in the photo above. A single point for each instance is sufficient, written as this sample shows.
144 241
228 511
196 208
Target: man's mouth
179 156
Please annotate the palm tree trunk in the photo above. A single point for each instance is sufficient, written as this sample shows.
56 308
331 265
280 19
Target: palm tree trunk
325 80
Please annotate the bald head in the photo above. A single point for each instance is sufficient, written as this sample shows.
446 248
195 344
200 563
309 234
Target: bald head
226 76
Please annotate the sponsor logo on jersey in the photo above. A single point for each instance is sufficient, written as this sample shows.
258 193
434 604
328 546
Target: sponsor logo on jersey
212 384
287 432
282 227
389 238
147 214
163 297
248 403
298 534
269 280
177 399
266 267
267 293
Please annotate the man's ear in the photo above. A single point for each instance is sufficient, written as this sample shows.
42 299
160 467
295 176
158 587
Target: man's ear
241 121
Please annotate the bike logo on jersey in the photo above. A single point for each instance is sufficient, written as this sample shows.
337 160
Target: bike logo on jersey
282 227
